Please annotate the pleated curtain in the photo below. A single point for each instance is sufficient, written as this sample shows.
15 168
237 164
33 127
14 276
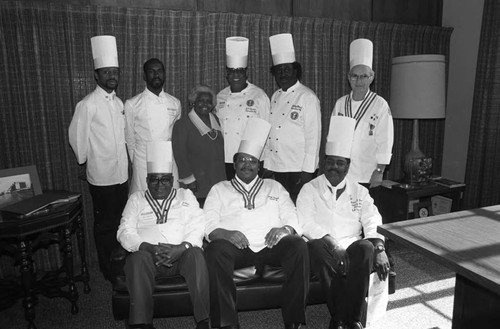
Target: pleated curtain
46 68
482 174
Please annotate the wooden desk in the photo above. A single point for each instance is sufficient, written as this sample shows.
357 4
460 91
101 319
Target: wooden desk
20 238
468 242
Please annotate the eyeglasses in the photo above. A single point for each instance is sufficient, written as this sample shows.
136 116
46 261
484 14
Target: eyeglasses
164 180
362 77
247 159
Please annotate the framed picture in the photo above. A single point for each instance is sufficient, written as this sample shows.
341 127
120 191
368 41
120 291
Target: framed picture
422 209
18 184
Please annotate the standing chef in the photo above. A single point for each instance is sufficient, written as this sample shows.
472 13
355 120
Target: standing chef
239 101
150 116
292 150
96 135
374 134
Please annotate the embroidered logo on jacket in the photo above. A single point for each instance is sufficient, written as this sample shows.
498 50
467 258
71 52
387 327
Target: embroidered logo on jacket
356 204
250 102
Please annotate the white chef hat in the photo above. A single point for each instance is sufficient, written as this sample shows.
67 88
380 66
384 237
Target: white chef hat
254 137
340 136
282 49
104 51
361 53
236 52
159 157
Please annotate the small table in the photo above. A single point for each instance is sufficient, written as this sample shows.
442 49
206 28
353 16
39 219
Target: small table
396 203
468 242
20 238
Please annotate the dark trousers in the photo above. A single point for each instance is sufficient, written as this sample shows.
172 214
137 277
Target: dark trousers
345 294
223 258
108 203
140 272
291 181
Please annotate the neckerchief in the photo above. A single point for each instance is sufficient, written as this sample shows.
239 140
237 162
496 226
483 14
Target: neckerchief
161 209
363 108
248 196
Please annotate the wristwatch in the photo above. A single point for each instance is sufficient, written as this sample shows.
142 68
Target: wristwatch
379 248
187 245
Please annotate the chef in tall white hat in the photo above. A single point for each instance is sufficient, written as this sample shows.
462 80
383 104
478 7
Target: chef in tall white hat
250 219
96 135
374 134
292 153
340 220
239 101
162 227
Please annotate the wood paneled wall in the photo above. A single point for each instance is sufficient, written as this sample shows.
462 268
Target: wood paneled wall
418 12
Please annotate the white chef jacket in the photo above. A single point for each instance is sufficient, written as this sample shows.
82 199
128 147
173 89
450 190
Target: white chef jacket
97 137
373 138
294 139
225 208
234 110
148 118
345 218
185 222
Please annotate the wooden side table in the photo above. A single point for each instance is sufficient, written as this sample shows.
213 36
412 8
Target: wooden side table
395 204
20 238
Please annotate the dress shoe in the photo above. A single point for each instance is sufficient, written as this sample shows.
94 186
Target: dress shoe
338 325
203 324
356 325
292 325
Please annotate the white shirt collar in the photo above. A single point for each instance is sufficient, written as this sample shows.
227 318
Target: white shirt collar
245 185
200 125
240 92
334 189
292 88
109 96
160 97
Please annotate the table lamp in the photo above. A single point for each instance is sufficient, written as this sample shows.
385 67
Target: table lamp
418 92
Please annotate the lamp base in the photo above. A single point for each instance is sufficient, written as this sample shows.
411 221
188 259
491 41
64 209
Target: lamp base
417 169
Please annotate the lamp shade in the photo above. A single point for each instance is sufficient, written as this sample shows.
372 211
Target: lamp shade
418 87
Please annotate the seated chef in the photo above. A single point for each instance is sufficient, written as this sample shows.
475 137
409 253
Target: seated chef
253 221
340 220
162 227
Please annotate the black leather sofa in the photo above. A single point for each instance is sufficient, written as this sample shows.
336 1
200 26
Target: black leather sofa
257 289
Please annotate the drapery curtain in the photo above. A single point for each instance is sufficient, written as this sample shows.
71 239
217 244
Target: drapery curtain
483 159
47 67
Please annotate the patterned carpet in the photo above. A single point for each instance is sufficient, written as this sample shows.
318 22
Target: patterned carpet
423 300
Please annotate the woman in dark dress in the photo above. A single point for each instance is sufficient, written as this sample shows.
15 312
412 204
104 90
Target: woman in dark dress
198 144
